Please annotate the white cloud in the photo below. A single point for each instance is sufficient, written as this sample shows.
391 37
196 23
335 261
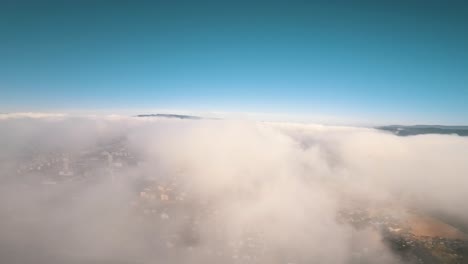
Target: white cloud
286 181
17 115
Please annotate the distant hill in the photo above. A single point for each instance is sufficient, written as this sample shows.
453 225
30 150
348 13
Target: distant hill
170 116
425 129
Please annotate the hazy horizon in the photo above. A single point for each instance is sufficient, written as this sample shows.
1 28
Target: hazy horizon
267 117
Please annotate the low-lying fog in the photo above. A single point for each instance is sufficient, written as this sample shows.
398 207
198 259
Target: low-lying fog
85 189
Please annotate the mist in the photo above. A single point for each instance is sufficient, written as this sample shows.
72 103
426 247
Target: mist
115 189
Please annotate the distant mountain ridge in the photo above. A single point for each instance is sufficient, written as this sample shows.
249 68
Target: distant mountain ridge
425 129
170 116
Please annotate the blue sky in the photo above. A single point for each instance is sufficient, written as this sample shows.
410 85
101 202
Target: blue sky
394 62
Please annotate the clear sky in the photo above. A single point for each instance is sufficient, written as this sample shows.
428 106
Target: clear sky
398 62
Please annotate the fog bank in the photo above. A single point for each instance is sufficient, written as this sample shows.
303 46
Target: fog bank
157 190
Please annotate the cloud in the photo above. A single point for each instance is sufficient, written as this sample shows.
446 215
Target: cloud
4 116
250 192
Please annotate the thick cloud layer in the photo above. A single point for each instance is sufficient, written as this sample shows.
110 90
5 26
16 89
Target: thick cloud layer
249 192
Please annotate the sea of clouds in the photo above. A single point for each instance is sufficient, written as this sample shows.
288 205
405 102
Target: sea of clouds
286 181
